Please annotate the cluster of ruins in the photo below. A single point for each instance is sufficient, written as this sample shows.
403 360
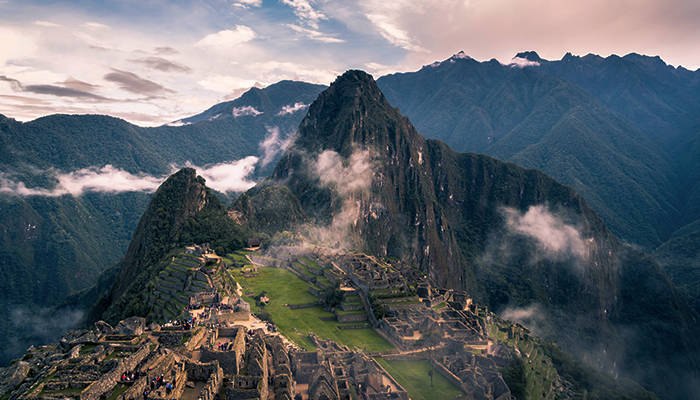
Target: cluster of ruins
218 359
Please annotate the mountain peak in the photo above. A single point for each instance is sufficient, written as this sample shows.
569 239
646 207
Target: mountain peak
529 55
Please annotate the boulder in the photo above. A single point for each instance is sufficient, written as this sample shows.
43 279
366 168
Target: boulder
154 327
131 326
19 375
88 338
104 328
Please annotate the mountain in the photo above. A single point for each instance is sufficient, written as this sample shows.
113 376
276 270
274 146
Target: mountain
542 121
183 211
634 87
53 244
513 238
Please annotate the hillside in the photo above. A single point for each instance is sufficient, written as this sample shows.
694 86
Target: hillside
54 244
511 237
183 211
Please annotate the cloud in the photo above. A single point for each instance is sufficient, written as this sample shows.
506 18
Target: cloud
76 84
395 35
350 179
72 89
304 10
315 35
224 177
162 64
247 3
227 38
15 45
357 174
551 233
274 71
245 110
165 51
106 179
229 176
133 83
523 62
37 327
531 317
291 109
272 145
47 24
95 25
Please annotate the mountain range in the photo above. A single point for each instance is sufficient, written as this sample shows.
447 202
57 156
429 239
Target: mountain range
622 131
622 134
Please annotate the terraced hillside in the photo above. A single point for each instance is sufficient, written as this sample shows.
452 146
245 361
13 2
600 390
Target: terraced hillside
174 286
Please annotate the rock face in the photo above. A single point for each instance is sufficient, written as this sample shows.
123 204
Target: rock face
131 326
104 328
474 223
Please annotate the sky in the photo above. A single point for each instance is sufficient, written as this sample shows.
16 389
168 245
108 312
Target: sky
151 62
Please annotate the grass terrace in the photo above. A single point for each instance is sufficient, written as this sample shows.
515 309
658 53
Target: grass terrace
283 287
356 312
413 376
309 262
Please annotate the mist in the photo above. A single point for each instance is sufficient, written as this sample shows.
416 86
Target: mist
272 145
553 235
32 327
232 176
349 180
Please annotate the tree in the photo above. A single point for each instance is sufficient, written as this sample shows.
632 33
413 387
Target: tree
333 295
429 340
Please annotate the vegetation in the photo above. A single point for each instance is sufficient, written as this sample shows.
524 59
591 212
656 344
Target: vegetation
429 340
516 377
413 376
283 287
333 295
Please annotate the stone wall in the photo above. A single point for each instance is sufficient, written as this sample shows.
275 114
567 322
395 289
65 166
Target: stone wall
295 306
352 317
136 389
315 291
110 379
449 375
412 306
209 372
351 306
396 299
195 339
232 316
230 361
360 326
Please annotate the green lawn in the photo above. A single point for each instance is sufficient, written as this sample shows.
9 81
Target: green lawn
413 376
283 287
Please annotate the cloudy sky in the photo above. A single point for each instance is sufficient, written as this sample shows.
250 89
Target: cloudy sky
155 61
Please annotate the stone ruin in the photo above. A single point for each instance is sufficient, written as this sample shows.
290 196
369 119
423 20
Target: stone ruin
331 370
477 376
